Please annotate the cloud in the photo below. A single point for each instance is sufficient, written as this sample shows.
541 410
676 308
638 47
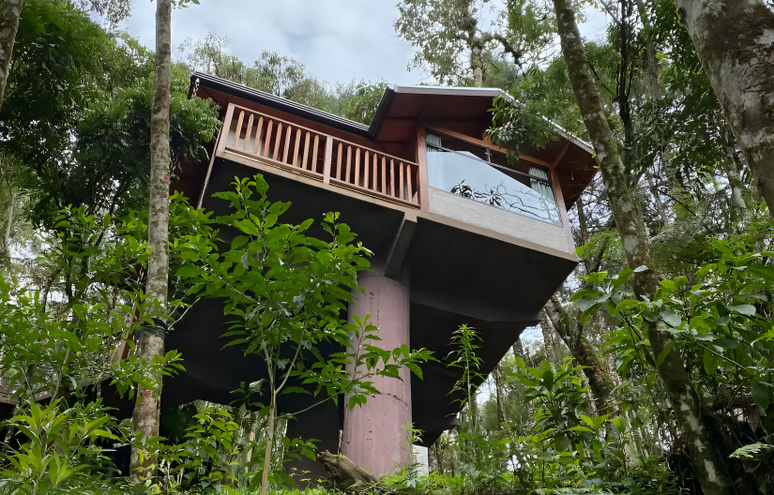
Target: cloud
338 40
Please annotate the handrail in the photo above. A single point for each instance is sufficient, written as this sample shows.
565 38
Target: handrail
315 154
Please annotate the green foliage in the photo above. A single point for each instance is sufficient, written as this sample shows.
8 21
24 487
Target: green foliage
61 454
285 293
571 448
518 128
720 319
360 101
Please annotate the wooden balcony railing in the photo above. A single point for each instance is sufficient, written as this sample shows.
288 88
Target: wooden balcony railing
318 155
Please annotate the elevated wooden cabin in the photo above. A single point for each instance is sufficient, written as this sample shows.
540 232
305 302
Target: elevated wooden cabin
459 235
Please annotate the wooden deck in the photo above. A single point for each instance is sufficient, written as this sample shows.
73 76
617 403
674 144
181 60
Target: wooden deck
328 159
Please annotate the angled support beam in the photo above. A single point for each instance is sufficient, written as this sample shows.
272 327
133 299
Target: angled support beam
400 245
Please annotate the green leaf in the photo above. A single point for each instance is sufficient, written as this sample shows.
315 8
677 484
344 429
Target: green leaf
663 354
710 365
670 317
761 392
727 343
745 309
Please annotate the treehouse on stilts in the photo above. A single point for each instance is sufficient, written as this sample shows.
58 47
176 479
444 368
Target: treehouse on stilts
459 233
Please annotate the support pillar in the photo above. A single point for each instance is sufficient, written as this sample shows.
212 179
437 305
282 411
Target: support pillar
374 435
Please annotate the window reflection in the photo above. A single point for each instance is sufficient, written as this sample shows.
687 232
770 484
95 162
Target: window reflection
464 172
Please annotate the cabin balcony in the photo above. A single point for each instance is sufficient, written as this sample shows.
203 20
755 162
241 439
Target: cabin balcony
472 187
253 137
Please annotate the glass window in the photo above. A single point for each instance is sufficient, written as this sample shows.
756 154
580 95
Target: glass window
483 175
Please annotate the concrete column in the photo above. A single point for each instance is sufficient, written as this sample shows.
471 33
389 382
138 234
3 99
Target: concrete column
374 437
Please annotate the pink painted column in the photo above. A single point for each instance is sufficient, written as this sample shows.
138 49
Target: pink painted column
374 437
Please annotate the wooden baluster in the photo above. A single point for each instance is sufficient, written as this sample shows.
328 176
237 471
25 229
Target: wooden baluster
349 162
295 148
384 175
305 158
339 164
258 132
288 135
375 174
400 190
357 167
328 159
409 188
366 166
267 139
238 128
275 155
392 177
313 165
249 132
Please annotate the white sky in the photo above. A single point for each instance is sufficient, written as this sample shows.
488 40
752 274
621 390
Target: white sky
338 40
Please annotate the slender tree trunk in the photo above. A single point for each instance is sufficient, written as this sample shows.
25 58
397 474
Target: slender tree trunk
631 228
518 349
8 225
582 350
548 339
735 42
269 446
9 24
151 343
498 376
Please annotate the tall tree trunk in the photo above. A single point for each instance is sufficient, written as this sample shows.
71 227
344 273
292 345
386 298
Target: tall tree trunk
735 43
582 350
269 445
548 339
631 228
8 225
151 343
9 24
498 376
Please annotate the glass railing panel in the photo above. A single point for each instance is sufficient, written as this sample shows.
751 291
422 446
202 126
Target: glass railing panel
464 174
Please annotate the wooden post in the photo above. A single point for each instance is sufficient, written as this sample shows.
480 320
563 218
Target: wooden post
249 131
357 167
258 132
384 175
267 139
423 186
277 141
238 130
401 192
349 163
562 211
316 145
226 127
296 147
328 159
392 178
288 135
366 168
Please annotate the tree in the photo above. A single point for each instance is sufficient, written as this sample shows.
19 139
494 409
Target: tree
452 45
734 42
151 341
9 24
682 395
284 294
